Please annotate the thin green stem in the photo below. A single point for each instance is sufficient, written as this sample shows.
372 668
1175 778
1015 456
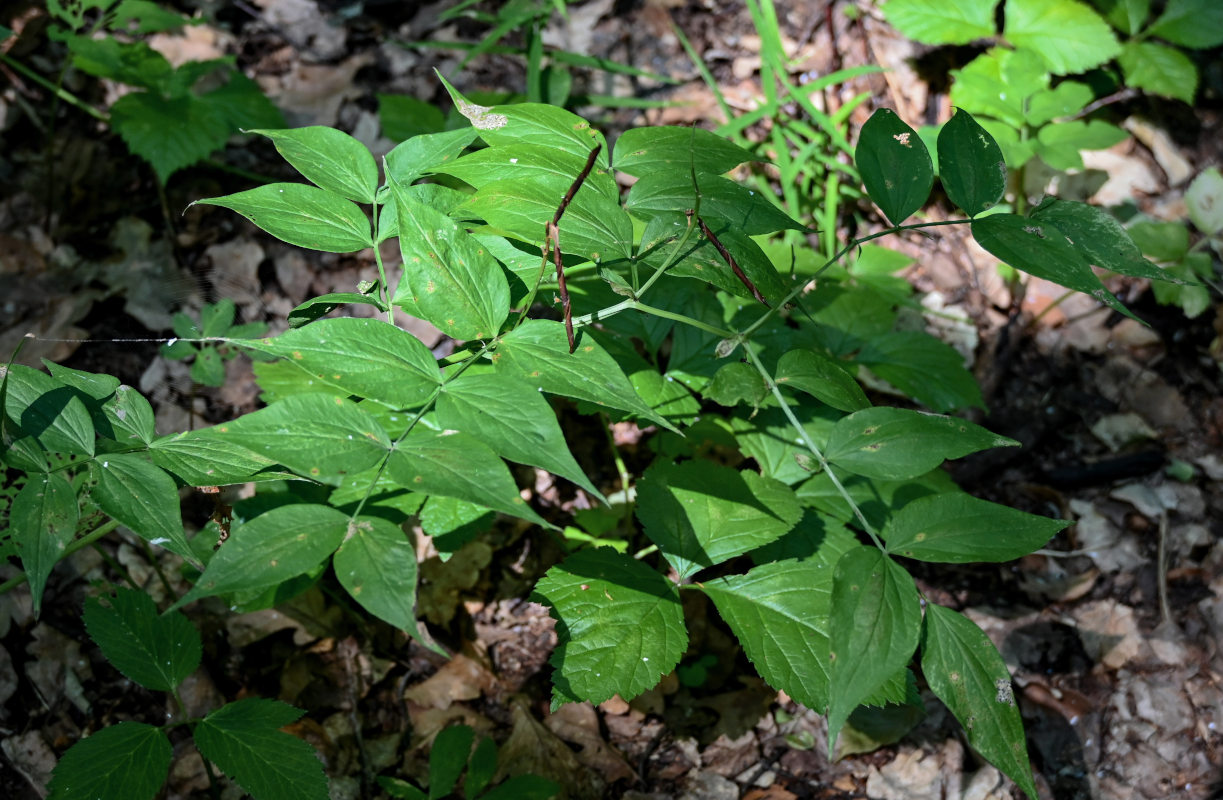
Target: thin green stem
58 91
385 292
84 541
671 315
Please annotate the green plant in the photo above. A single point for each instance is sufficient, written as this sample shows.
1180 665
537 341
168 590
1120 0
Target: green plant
792 507
452 754
208 357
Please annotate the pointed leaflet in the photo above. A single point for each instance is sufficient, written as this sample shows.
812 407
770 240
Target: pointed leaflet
1040 249
142 497
822 378
198 459
315 435
1190 23
127 418
619 623
158 652
512 418
302 215
538 352
895 165
644 151
377 565
960 529
128 761
970 164
244 739
896 444
875 624
366 357
49 411
535 163
701 514
271 548
1159 69
330 159
451 749
966 672
1098 236
42 521
413 158
450 279
458 465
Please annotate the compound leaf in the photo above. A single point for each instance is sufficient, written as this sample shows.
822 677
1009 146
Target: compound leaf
169 133
875 625
619 622
942 21
303 215
158 652
966 672
1159 69
971 165
43 520
959 529
128 761
330 159
142 497
822 378
244 740
895 165
1190 23
1067 34
376 564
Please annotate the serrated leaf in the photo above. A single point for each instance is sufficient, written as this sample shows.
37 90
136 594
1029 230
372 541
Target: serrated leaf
895 165
1204 197
942 21
1097 235
48 411
897 444
965 671
770 439
456 464
1040 249
874 629
779 613
42 521
317 436
701 514
376 564
169 133
365 357
513 418
1059 144
302 215
202 460
142 497
330 159
670 148
242 104
930 371
448 277
158 652
244 740
822 378
1190 23
620 626
1068 97
997 84
743 209
538 352
1128 16
1067 34
128 761
960 529
1159 69
416 156
971 166
279 544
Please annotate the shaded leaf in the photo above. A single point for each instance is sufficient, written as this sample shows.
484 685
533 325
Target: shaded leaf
42 521
744 209
670 148
1190 23
142 497
376 564
1159 69
971 166
822 378
244 740
158 652
1098 236
48 411
127 761
960 529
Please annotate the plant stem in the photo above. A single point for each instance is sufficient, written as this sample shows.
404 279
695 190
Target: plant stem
84 541
385 291
59 92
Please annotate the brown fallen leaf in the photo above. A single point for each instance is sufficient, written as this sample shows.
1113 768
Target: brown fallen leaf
461 678
535 750
578 723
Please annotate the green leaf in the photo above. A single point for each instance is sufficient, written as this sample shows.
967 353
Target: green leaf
966 672
524 787
669 148
48 411
302 215
737 382
449 278
550 167
538 352
942 21
1159 69
418 155
400 789
1098 237
922 367
770 439
1128 16
1190 23
822 378
895 165
1068 35
93 385
279 544
42 520
458 465
330 159
403 117
701 514
447 758
128 761
960 529
512 418
1068 97
896 444
376 564
971 166
1040 249
620 626
133 63
158 652
242 104
127 418
875 625
365 357
202 460
170 134
142 497
702 261
244 740
1204 197
1059 144
317 436
743 209
779 613
482 768
1166 242
997 84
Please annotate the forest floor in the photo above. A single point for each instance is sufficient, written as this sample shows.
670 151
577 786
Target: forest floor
1112 638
